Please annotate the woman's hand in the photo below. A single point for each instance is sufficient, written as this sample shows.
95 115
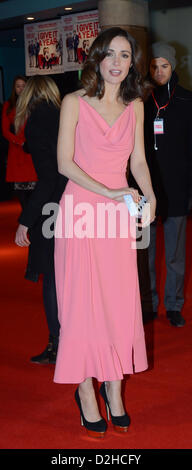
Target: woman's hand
21 238
117 194
148 212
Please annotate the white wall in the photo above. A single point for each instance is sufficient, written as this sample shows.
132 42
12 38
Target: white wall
175 27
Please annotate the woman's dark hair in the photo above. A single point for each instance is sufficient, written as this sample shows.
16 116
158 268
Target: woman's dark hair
133 86
13 98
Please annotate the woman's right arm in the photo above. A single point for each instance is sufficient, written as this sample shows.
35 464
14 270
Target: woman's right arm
6 124
65 152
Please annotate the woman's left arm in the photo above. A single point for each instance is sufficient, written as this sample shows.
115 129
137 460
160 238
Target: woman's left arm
138 164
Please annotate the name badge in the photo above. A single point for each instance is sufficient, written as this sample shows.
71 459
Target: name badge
158 126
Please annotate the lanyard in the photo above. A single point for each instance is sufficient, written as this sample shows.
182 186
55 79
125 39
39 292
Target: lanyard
158 111
162 107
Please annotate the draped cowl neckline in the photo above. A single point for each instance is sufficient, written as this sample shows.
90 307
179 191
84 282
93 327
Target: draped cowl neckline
102 118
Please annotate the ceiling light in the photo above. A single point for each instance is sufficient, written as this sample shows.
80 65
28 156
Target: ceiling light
68 8
30 18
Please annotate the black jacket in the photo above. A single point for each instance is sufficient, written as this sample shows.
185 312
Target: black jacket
41 133
171 165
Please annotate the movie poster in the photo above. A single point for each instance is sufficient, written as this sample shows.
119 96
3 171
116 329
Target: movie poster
43 48
79 31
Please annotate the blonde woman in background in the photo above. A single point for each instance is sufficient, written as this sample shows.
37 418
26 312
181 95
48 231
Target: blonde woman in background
39 107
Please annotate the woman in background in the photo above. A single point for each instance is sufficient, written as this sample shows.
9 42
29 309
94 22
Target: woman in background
39 107
20 168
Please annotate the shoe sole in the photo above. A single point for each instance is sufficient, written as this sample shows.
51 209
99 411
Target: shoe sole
95 434
42 362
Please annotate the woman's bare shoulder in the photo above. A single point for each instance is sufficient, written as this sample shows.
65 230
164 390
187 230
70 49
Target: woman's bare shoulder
69 103
138 107
71 99
138 103
81 92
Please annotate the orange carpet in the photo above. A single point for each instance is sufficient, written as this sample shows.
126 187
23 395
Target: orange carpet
38 414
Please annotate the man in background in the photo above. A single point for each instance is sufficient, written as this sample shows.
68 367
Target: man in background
168 146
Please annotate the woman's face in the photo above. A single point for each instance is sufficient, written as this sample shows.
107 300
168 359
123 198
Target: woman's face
115 66
19 86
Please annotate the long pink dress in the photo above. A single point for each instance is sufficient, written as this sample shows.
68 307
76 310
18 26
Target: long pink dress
98 295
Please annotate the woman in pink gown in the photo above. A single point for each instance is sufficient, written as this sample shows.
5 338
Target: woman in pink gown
99 307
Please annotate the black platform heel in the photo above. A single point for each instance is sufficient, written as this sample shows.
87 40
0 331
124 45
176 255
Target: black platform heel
120 423
95 429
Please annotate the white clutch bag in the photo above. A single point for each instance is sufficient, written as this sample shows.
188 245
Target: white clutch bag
135 209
